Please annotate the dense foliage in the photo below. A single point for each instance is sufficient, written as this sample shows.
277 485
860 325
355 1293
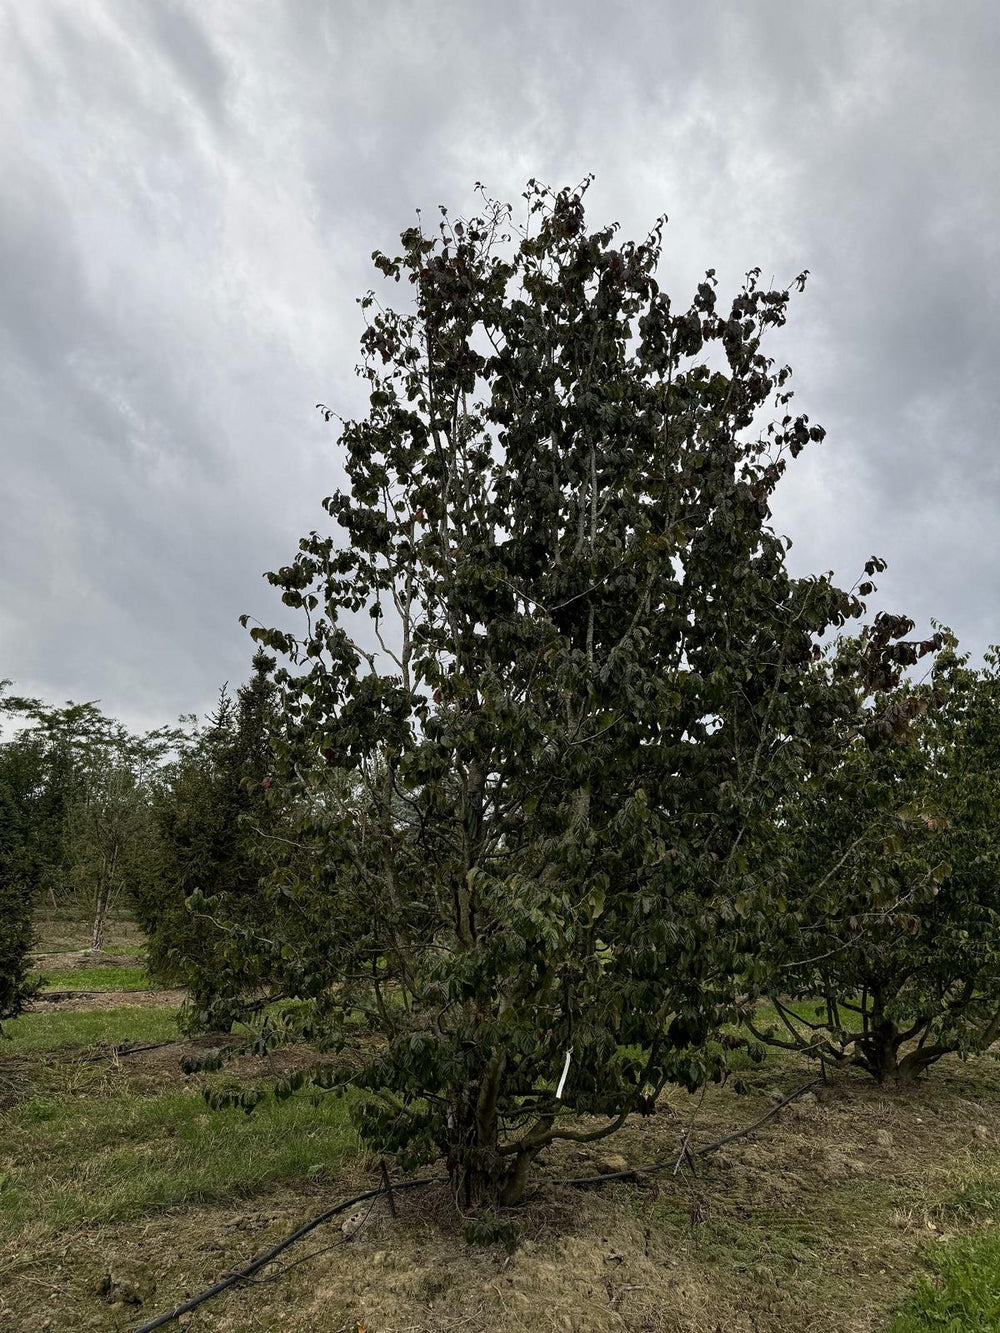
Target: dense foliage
22 851
535 801
898 923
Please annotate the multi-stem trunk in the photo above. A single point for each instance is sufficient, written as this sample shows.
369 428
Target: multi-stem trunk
482 1175
101 903
880 1055
100 914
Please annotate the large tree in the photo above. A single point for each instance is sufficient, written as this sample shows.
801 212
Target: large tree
538 792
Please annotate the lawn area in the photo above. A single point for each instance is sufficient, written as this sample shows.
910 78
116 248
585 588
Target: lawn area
42 1031
97 1151
107 1159
962 1295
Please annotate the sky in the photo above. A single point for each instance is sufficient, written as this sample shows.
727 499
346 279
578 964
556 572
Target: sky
192 190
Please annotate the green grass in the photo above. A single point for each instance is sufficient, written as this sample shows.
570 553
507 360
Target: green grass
66 1160
963 1296
94 978
68 1157
811 1010
31 1033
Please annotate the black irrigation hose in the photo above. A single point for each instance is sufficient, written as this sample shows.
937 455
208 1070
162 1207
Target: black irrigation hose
255 1265
262 1260
742 1133
706 1151
116 1052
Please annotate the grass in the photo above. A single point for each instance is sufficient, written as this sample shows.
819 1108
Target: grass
37 1032
122 1168
61 933
963 1296
767 1017
111 1159
819 1220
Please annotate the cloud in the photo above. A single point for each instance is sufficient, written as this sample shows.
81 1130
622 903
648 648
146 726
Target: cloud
192 191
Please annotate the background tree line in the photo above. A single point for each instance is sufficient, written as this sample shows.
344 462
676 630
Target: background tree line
96 818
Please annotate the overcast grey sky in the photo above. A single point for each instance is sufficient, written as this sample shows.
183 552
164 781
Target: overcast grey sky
192 188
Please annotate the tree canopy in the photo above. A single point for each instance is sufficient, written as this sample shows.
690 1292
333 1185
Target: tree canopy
896 928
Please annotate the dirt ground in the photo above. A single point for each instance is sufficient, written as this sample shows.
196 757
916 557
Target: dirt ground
85 958
61 1002
58 934
817 1221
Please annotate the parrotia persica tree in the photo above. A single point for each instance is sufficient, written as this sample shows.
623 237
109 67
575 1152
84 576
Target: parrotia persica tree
586 682
898 927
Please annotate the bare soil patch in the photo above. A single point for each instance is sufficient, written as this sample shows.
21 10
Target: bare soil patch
78 1001
85 958
815 1223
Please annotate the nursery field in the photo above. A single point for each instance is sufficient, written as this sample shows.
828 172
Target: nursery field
122 1194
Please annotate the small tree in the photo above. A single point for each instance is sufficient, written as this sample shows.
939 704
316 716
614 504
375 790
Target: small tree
21 787
589 681
898 925
216 828
109 836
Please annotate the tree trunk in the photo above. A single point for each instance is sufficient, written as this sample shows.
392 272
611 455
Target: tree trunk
913 1064
104 886
881 1058
879 1050
483 1178
100 913
482 1175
